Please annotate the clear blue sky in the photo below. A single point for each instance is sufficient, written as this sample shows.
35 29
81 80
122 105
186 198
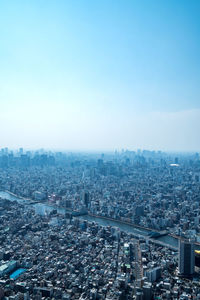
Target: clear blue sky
100 74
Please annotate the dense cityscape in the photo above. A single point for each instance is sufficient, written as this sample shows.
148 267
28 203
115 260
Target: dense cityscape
122 225
99 150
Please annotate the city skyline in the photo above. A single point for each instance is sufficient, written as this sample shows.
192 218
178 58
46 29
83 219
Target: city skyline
100 76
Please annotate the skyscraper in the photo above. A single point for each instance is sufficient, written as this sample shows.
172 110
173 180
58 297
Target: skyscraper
85 198
186 258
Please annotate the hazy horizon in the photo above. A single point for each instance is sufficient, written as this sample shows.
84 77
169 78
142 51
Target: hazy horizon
100 76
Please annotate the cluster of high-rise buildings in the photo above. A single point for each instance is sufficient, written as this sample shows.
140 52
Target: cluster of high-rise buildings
21 159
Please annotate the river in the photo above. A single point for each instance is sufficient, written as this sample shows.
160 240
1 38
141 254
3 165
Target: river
41 208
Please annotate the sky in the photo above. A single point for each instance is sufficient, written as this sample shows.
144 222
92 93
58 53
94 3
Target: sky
100 74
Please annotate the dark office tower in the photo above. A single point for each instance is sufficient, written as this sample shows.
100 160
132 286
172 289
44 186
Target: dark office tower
21 151
186 258
147 291
85 198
